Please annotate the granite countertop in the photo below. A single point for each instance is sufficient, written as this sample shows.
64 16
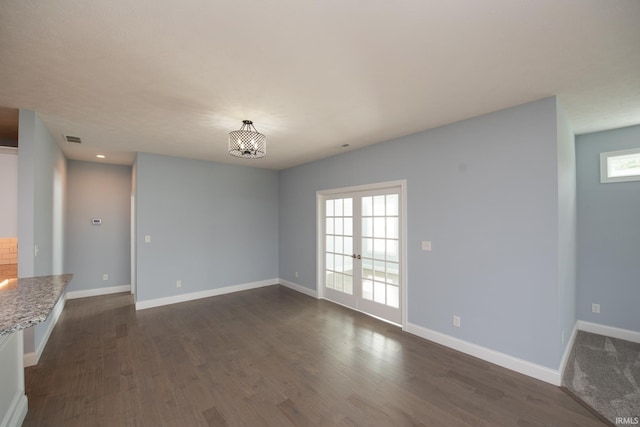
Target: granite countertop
28 301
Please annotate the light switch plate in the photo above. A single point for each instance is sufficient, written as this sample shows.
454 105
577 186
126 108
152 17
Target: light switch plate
147 239
456 321
426 245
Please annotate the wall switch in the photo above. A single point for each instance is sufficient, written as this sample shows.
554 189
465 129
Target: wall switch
456 321
296 274
595 308
105 277
426 246
178 283
147 239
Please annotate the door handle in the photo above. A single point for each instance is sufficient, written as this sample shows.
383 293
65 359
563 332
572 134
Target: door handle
356 256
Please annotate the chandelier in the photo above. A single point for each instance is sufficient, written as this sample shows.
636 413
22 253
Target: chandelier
247 142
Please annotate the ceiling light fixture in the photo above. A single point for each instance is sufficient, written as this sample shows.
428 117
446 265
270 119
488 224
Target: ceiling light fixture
247 142
101 156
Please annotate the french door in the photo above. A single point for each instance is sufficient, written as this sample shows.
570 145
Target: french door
362 251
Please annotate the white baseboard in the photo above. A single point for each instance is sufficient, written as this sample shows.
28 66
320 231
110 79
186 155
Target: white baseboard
99 291
299 288
567 350
31 359
609 331
540 372
17 411
142 305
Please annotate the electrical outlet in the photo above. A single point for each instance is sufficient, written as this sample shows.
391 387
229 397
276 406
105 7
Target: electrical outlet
178 283
147 239
595 308
105 277
456 321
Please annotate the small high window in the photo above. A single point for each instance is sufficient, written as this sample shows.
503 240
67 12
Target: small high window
620 166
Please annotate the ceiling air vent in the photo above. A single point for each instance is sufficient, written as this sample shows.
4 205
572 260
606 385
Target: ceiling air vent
74 139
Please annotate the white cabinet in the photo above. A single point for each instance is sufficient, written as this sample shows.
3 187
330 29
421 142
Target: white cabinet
13 401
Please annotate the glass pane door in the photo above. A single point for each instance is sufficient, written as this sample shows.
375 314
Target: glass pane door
380 263
339 251
362 258
380 256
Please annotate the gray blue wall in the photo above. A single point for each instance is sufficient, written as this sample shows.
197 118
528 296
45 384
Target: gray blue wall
98 191
495 194
26 194
9 194
485 191
42 172
211 225
567 224
608 234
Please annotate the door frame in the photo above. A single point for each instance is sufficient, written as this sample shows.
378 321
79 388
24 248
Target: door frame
321 196
133 246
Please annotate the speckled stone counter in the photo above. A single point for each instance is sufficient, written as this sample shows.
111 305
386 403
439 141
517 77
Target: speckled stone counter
26 302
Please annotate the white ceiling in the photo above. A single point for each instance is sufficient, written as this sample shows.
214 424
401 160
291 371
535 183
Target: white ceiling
174 77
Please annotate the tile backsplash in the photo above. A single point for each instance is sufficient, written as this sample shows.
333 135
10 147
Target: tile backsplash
8 258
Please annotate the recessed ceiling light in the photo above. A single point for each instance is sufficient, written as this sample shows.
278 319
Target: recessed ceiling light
101 156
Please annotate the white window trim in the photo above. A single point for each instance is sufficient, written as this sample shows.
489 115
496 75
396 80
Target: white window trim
604 172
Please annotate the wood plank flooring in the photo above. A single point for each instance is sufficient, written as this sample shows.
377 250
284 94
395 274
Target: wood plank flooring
269 357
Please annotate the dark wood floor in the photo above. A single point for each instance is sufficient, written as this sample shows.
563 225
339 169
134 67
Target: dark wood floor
269 357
